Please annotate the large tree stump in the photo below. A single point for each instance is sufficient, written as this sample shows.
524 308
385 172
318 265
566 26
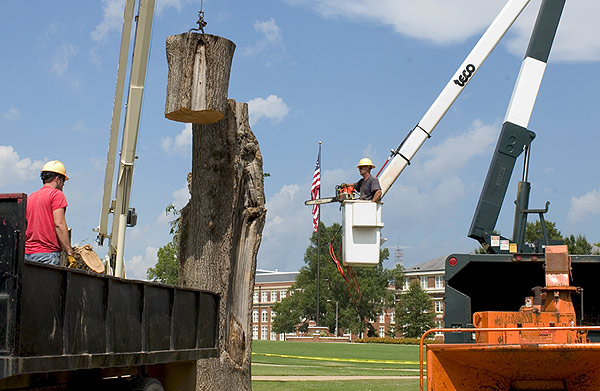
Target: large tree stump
220 233
199 67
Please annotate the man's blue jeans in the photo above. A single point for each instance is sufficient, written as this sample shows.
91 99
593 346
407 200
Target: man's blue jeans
49 258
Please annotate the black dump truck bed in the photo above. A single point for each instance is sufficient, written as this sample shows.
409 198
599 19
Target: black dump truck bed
55 319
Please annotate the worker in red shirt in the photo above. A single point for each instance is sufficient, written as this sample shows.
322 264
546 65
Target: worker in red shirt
47 231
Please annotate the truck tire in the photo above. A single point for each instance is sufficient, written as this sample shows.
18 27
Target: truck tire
146 384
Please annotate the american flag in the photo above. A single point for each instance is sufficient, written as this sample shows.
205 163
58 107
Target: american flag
315 191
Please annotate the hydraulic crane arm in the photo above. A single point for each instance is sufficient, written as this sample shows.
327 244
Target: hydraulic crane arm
515 137
402 156
120 206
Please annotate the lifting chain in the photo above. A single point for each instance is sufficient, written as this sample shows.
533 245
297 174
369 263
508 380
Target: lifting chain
201 22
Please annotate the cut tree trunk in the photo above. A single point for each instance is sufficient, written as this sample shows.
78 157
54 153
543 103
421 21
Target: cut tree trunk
199 67
220 233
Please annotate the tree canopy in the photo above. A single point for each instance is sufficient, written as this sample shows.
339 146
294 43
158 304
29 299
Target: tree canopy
166 269
300 305
414 312
578 245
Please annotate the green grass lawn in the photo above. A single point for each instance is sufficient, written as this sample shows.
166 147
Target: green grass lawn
271 358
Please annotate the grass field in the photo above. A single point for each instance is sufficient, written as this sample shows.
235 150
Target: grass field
306 359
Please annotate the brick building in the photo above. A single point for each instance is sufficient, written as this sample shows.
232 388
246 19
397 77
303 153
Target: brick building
270 287
430 275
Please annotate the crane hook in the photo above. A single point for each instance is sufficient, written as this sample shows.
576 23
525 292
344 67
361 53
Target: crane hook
201 22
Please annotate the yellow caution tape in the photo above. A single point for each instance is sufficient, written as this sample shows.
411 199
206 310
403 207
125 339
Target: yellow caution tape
337 359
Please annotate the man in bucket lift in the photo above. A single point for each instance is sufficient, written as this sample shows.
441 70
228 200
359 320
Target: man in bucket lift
368 187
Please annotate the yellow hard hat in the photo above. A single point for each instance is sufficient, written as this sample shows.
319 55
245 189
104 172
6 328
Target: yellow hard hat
57 167
365 162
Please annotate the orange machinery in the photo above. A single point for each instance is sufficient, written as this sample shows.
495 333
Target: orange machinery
538 347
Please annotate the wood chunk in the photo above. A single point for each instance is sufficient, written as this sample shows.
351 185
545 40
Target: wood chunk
199 68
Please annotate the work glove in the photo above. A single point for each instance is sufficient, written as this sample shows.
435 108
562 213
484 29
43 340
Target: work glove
71 260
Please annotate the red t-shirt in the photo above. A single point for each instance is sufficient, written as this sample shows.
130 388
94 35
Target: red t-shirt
40 236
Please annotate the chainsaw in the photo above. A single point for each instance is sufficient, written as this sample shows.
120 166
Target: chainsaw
343 192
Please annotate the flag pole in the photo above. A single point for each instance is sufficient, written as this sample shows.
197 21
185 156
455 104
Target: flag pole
319 241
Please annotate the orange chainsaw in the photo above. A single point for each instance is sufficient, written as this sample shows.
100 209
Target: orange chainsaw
343 192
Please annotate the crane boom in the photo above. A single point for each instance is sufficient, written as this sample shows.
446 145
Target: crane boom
120 206
415 139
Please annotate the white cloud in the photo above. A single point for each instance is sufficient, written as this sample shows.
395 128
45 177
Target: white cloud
453 154
272 107
163 4
137 265
112 21
432 20
113 11
584 207
271 37
62 57
181 197
80 127
12 114
287 227
443 22
577 35
16 170
180 143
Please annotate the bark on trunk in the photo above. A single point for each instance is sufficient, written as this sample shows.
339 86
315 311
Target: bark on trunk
220 233
199 67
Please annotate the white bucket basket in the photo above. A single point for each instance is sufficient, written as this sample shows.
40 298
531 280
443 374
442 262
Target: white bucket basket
361 234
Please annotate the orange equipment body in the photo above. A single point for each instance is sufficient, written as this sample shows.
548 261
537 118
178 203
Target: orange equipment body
538 347
345 193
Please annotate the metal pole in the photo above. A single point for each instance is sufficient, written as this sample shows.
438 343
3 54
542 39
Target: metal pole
319 239
336 317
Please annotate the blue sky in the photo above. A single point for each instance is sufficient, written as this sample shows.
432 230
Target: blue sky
356 74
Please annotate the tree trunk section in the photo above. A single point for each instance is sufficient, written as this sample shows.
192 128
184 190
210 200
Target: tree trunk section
199 68
220 233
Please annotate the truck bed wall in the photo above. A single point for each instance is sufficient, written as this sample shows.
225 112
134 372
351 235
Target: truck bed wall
56 319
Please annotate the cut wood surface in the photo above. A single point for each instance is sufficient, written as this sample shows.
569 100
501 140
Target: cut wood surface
199 68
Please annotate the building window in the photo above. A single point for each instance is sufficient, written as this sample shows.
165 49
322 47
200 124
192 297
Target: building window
438 306
406 284
282 336
382 317
424 282
392 317
255 316
273 336
264 333
274 296
272 315
439 282
255 298
254 332
264 297
282 295
265 316
381 332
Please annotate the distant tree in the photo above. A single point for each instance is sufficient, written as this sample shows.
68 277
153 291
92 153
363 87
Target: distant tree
533 231
300 306
578 245
166 269
397 276
414 312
